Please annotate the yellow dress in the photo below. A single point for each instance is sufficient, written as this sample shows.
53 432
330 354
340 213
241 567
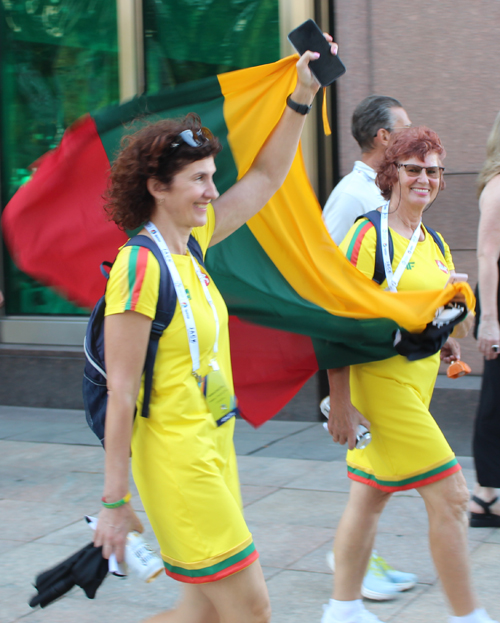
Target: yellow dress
183 464
408 449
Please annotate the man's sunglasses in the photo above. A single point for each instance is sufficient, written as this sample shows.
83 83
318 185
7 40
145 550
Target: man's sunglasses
194 139
414 170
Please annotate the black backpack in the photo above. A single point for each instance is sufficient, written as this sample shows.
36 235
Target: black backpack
95 393
413 346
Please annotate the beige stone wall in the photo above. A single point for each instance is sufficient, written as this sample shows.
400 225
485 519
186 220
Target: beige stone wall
441 60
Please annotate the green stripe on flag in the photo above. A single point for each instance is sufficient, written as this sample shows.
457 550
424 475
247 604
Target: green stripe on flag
256 291
203 97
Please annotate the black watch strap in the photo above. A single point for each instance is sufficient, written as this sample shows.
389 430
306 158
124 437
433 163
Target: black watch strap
302 109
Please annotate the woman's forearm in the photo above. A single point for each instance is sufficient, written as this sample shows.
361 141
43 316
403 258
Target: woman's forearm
488 286
118 435
338 380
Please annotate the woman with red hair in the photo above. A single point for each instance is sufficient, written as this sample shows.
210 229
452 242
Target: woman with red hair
392 397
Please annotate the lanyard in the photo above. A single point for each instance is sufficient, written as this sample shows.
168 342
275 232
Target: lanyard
393 279
180 290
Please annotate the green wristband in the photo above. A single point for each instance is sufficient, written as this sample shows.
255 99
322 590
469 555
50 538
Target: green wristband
121 502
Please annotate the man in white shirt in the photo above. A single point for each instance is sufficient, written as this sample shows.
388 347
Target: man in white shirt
373 121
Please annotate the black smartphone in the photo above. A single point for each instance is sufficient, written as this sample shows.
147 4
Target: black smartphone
308 36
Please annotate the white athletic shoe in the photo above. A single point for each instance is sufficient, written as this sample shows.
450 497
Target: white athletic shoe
381 582
360 615
377 585
481 616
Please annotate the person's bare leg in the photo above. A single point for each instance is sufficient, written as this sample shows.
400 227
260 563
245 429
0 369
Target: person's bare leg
194 607
241 597
354 539
446 502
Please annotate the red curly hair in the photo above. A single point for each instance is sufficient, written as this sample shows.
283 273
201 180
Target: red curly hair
148 153
417 142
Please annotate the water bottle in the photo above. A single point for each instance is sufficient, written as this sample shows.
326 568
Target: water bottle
141 559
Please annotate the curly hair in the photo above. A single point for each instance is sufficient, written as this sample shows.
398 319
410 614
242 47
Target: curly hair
149 153
404 144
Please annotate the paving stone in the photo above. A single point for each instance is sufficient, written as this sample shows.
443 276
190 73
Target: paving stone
323 476
299 507
315 561
297 596
252 493
271 472
313 443
281 545
293 500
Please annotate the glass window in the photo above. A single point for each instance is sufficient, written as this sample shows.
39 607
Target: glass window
190 39
58 60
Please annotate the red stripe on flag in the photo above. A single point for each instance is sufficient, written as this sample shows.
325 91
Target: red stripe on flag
56 215
269 368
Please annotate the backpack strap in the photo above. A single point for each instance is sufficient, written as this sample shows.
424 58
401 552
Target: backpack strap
437 239
378 269
194 247
165 307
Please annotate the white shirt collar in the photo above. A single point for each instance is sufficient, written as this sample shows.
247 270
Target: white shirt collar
364 168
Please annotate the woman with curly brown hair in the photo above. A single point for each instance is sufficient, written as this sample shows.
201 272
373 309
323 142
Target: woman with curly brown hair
183 458
392 397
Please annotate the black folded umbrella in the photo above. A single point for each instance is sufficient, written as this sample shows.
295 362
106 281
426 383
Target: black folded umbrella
86 568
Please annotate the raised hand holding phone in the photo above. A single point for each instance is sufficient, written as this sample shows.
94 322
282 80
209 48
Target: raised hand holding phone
327 67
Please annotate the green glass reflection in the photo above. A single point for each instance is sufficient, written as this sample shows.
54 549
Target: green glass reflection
190 39
59 60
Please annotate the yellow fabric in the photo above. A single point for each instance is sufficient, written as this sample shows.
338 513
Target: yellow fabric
184 465
324 114
394 394
420 273
290 228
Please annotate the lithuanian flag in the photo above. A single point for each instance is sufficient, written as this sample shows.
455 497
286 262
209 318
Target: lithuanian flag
296 304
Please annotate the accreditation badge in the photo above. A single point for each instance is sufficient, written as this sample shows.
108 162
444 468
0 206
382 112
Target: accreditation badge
222 403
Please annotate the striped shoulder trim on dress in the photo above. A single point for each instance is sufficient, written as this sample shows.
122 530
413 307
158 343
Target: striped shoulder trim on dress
201 573
357 240
447 468
137 263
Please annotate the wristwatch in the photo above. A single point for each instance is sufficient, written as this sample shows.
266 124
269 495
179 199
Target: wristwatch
302 109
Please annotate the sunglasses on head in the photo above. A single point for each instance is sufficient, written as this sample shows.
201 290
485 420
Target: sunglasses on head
194 139
414 170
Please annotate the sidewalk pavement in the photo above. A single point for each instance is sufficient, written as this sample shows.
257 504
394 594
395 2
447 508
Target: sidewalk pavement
294 487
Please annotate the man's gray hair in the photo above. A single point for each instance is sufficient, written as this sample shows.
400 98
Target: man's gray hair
373 113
